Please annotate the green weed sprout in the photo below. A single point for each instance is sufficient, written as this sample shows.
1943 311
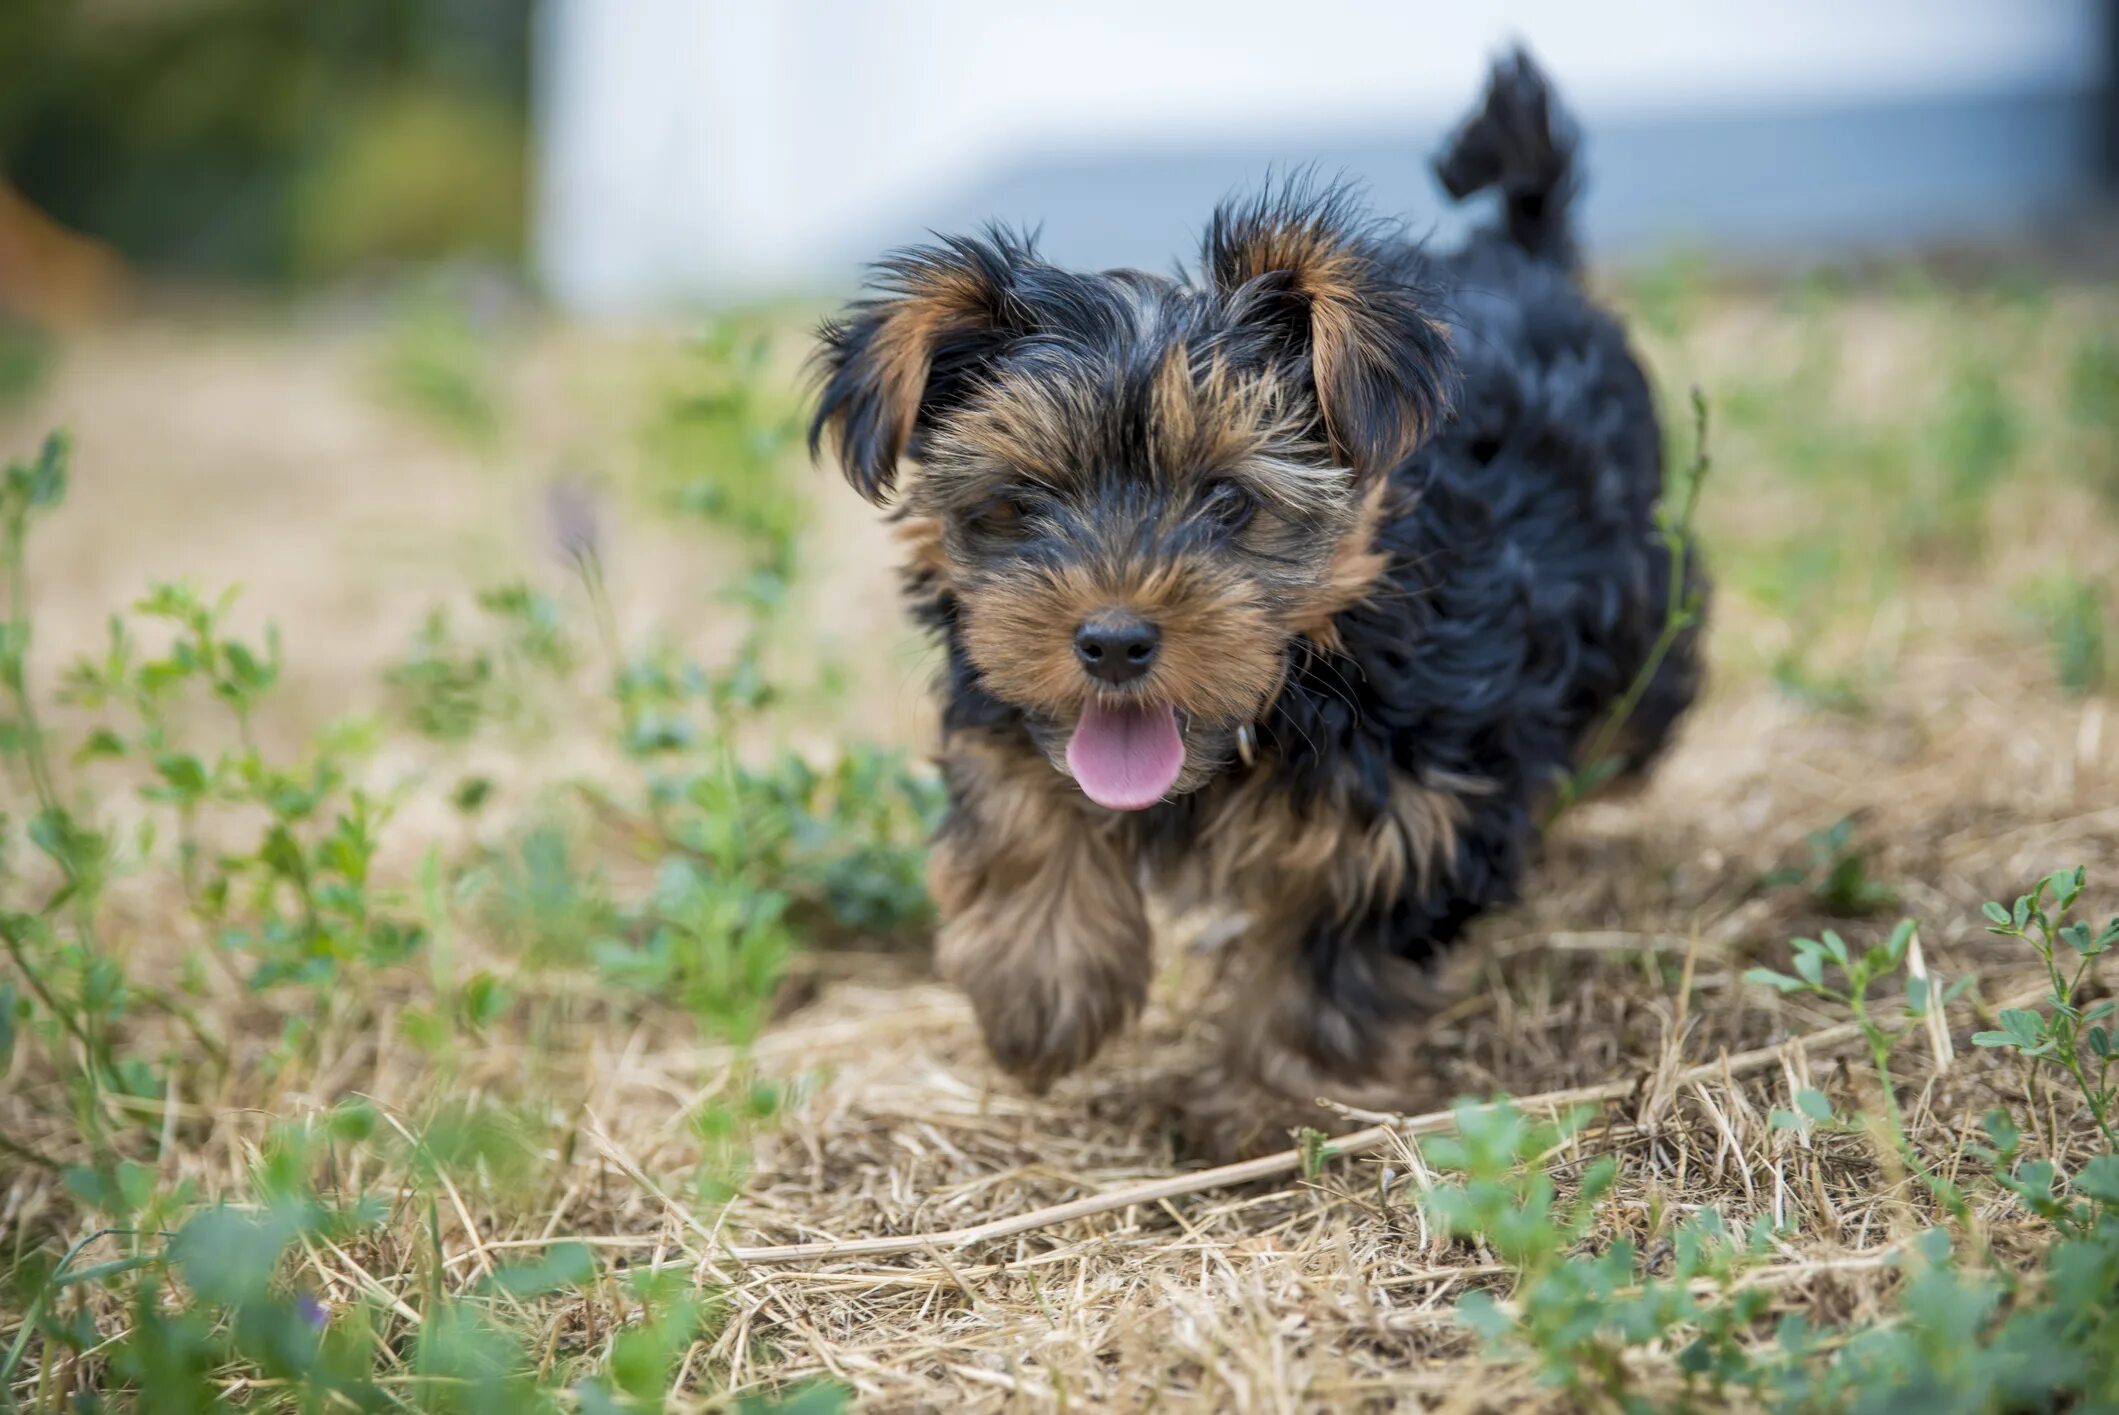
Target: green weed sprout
2076 1038
1600 760
1585 1320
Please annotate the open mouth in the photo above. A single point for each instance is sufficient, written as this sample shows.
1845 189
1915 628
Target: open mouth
1126 756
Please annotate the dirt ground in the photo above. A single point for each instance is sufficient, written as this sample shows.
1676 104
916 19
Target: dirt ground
258 449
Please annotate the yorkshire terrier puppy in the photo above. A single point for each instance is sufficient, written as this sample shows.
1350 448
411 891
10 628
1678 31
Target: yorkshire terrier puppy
1302 578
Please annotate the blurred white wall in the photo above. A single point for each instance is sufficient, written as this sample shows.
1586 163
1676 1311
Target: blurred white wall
714 148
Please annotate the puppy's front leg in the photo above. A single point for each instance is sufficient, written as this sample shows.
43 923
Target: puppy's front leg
1291 1036
1043 923
1337 982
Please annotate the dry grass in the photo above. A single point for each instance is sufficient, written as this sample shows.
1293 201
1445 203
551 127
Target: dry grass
1967 775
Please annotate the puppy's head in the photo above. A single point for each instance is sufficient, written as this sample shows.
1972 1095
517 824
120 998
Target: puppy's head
1141 491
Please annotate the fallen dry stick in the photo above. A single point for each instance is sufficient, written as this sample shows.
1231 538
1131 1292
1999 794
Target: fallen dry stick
1149 1191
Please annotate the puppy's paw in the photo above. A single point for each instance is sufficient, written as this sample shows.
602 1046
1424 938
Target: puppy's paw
1039 1029
1228 1117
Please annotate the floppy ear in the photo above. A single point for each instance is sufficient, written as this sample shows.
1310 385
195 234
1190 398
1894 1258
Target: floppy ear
895 362
1308 263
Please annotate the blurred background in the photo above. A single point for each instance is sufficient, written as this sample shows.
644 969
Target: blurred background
331 296
682 145
622 158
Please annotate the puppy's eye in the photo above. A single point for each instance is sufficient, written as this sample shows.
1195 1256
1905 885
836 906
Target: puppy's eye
1228 503
1000 515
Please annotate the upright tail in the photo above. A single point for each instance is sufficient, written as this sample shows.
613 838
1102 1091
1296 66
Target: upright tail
1523 142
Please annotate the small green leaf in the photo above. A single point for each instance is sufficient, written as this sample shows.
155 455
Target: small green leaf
101 743
2066 886
1766 977
1995 912
484 999
2099 1179
47 479
281 854
1596 1181
2025 1028
185 773
639 1362
1815 1104
809 1398
229 1257
1478 1311
424 1028
350 1121
1311 1143
1933 1246
594 1398
565 1264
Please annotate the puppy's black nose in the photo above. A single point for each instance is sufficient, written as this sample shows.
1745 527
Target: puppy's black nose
1117 648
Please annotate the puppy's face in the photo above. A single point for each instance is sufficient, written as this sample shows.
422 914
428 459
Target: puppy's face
1138 492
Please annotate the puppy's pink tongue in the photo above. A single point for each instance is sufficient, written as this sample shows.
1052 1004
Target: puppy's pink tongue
1126 758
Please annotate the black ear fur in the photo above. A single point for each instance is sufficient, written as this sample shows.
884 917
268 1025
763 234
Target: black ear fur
1308 261
894 362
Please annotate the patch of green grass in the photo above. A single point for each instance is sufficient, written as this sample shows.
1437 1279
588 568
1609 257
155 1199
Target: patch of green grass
436 364
1965 1331
26 358
1836 874
448 687
275 858
2093 407
1828 690
1974 440
717 447
2070 613
2075 1034
1582 1321
1666 295
1883 438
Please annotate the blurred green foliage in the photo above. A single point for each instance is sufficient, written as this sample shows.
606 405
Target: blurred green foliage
2093 402
2070 609
717 447
26 357
753 855
450 685
1837 875
1967 1331
1891 430
271 138
437 364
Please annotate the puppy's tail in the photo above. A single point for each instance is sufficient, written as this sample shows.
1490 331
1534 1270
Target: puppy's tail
1522 142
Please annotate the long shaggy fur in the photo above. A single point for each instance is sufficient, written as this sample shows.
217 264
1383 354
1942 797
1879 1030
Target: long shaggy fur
1393 513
